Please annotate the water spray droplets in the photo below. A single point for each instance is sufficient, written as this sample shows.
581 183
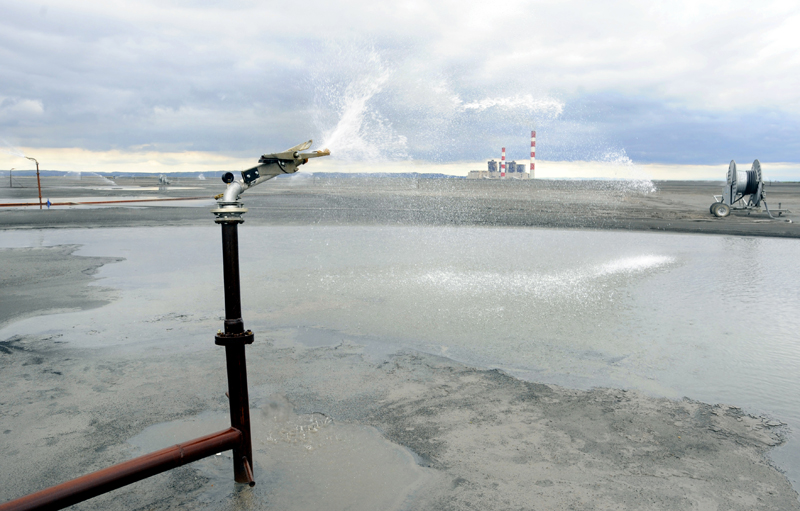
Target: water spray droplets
351 98
541 285
310 432
362 105
633 178
547 107
452 282
11 149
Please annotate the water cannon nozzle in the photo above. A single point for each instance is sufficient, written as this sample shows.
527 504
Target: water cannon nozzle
269 166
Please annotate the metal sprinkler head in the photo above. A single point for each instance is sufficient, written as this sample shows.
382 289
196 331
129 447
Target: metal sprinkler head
269 165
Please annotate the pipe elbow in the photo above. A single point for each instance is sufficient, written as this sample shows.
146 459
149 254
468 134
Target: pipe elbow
233 191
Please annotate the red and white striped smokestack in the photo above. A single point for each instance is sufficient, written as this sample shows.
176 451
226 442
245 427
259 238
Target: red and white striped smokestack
503 164
533 153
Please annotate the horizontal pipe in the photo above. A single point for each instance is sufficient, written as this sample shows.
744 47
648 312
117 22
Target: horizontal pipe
117 476
76 203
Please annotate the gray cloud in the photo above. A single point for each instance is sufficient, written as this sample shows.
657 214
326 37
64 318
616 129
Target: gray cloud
445 81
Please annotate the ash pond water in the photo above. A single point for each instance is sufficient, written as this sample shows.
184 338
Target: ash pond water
712 318
302 461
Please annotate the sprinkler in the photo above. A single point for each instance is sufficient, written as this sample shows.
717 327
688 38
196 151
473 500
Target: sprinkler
269 166
234 337
38 181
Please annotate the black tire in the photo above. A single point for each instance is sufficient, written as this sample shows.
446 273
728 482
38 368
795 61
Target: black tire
722 210
712 207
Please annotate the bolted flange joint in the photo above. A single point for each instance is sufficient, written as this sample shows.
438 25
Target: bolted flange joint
223 339
229 212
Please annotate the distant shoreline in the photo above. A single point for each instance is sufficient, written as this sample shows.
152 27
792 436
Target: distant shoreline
342 175
664 206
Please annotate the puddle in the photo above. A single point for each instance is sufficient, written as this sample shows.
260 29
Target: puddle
301 462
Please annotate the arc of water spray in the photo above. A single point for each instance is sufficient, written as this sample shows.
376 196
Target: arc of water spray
10 149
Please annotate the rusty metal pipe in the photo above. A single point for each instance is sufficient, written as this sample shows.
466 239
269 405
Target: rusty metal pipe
79 203
39 185
234 339
117 476
240 411
38 181
230 268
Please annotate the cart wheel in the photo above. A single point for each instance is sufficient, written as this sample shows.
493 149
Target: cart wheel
722 210
712 208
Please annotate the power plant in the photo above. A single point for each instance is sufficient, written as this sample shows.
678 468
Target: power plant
507 170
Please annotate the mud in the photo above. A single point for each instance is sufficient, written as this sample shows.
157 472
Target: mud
406 431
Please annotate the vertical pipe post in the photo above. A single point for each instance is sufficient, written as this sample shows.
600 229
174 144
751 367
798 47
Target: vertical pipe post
533 154
503 163
39 184
234 339
230 268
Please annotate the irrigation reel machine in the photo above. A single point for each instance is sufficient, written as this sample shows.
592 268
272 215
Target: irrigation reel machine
743 191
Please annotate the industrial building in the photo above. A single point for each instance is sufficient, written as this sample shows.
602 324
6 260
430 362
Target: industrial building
507 170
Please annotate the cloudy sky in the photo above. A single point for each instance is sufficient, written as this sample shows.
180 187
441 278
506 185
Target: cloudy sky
175 85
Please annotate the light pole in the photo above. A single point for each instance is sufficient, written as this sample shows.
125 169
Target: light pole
10 184
38 181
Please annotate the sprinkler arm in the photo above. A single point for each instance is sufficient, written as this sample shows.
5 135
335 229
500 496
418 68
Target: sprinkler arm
269 166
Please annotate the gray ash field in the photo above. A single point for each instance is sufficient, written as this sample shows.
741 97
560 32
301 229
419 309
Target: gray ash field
107 317
675 206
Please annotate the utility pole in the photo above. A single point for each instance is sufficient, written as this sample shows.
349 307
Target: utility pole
10 184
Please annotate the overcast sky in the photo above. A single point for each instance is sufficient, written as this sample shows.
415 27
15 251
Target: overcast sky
658 82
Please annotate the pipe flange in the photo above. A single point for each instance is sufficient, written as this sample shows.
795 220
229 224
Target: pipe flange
223 339
229 212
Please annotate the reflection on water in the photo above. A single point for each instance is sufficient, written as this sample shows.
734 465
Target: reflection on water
708 317
713 318
537 300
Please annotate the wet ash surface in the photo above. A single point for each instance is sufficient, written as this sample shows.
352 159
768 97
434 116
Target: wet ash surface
474 439
674 206
482 439
42 280
507 444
